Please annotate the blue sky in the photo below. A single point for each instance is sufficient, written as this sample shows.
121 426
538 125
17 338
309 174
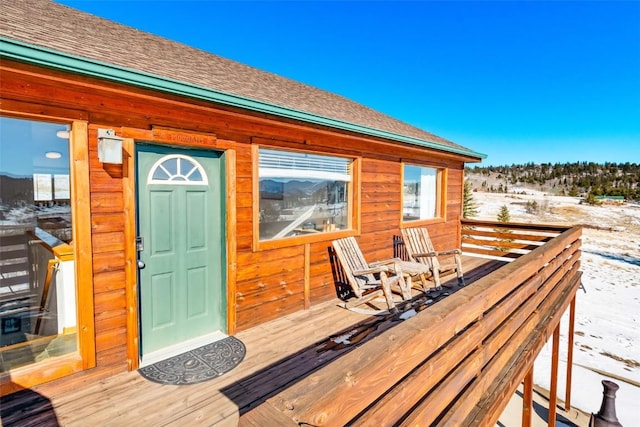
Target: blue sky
520 81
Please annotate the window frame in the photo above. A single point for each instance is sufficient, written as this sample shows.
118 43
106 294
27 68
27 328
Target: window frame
85 356
353 203
441 195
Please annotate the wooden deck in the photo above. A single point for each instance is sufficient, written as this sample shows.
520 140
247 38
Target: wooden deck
280 354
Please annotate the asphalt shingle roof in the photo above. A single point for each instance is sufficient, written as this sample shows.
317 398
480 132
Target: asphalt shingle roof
59 28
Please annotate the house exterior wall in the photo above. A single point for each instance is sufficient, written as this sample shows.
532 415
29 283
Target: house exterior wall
262 284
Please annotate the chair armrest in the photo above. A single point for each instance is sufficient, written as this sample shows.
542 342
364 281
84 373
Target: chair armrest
385 262
372 270
438 253
450 252
392 265
425 254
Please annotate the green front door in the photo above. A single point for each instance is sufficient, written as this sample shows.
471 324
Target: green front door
181 256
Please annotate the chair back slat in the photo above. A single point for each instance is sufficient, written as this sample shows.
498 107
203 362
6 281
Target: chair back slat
400 249
352 259
417 241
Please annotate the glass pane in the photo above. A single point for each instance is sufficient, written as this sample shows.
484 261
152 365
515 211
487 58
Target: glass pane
420 189
37 284
171 166
195 175
302 203
160 175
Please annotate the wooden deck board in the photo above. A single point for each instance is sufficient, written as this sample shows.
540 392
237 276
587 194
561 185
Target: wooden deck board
279 353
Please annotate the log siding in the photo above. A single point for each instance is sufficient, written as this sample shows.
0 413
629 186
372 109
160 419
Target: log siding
262 284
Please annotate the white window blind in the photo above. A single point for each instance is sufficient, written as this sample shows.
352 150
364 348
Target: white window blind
286 164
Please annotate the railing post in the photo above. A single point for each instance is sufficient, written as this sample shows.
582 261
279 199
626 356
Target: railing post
553 393
527 399
606 417
572 322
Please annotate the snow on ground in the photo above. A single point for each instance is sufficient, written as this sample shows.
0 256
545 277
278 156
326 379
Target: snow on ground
607 328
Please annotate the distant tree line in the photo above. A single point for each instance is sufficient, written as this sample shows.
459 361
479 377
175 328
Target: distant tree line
586 179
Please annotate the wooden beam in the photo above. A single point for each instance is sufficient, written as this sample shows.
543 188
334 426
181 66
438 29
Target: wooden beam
489 407
512 235
231 177
553 393
527 399
130 252
522 301
307 276
572 321
427 412
481 394
545 228
81 218
20 109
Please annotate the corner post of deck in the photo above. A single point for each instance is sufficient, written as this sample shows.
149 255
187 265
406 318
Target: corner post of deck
527 399
572 320
553 393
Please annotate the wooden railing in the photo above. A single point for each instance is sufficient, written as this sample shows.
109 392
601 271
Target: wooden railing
505 240
460 361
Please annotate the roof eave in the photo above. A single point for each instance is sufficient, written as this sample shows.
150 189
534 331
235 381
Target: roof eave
50 58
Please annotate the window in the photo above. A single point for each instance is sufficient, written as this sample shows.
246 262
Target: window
422 194
302 194
177 169
37 284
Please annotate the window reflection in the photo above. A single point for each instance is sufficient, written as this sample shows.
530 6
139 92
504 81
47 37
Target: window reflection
302 194
37 282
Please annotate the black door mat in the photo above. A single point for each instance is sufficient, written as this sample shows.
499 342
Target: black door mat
198 365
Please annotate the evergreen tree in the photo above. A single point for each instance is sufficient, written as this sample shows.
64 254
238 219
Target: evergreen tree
503 214
591 199
574 191
469 208
615 179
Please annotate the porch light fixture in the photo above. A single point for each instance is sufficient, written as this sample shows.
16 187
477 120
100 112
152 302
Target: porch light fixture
109 147
53 154
64 133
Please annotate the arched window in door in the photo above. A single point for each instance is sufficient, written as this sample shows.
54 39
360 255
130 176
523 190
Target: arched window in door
177 169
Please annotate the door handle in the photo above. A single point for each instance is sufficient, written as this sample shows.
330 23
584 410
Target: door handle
141 264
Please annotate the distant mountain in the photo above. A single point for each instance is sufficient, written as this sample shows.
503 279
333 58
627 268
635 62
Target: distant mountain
572 179
13 175
293 187
14 191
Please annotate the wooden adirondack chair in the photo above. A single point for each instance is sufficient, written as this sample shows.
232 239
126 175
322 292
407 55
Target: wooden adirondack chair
360 276
420 249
